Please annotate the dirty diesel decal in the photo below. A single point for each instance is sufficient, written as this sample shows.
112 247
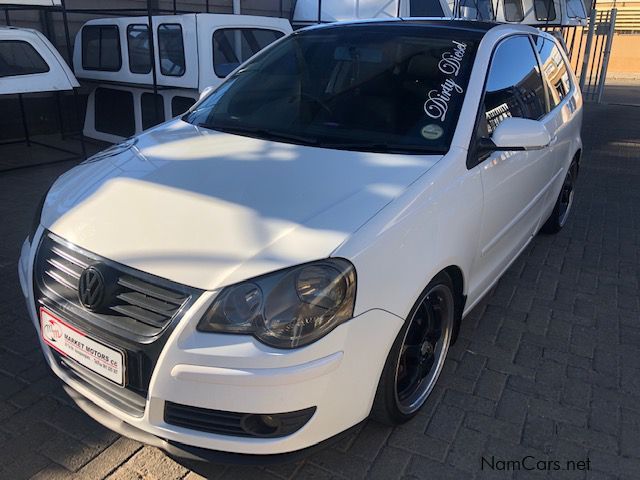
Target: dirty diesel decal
438 100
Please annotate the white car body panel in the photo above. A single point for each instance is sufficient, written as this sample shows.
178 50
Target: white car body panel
58 78
209 209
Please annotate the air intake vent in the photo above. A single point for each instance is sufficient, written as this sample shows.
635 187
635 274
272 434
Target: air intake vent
236 424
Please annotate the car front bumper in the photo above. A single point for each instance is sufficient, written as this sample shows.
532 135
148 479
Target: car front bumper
338 375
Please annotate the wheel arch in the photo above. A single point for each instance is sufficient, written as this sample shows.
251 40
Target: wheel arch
457 278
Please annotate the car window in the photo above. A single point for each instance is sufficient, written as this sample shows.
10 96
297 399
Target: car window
513 11
101 48
554 70
18 57
232 46
138 48
514 85
171 50
391 88
152 108
545 10
114 112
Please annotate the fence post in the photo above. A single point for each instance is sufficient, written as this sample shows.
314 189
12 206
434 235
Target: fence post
587 50
607 54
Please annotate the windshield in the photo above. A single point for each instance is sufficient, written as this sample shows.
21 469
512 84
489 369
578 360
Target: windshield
383 88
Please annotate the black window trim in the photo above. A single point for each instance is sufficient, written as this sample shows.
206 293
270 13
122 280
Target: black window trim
504 11
472 157
184 56
33 47
129 48
101 26
548 3
221 28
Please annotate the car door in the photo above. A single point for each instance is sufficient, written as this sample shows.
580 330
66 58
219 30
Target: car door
514 182
557 80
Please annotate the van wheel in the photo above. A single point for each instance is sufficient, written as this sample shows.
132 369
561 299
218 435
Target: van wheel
564 203
417 355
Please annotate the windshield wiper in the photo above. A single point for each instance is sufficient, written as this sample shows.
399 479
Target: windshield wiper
380 148
263 133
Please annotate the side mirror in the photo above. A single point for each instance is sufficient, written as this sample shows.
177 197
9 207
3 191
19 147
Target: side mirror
517 134
205 92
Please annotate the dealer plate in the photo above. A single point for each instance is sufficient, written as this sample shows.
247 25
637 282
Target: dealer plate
76 345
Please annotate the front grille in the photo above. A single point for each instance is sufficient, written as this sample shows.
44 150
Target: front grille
236 424
138 308
137 315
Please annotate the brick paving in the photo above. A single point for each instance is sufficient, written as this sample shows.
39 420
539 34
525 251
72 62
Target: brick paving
547 366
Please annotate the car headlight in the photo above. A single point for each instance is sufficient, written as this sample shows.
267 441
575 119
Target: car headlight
289 308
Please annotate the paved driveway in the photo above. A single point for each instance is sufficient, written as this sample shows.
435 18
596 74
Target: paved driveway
548 366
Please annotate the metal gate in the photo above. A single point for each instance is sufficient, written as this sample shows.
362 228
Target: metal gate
589 49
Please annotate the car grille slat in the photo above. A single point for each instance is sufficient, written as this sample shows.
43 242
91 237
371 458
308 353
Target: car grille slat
67 269
151 290
59 278
148 303
69 258
141 315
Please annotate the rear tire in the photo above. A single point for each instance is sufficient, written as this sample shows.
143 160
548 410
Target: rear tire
562 208
417 356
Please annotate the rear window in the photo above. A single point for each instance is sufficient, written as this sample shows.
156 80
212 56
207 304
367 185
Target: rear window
101 48
114 112
232 46
138 48
20 58
171 50
391 88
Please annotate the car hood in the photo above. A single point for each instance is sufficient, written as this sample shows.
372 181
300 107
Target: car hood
208 209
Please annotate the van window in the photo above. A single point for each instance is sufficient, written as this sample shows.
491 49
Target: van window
114 112
545 10
232 46
513 11
180 104
514 85
554 70
171 50
101 48
18 57
575 9
152 112
477 9
138 48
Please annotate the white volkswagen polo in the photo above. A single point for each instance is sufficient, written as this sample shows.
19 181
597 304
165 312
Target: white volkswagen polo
297 252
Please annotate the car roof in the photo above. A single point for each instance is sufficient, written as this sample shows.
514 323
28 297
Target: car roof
439 22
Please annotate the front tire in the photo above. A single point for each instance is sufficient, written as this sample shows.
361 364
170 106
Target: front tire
417 355
562 209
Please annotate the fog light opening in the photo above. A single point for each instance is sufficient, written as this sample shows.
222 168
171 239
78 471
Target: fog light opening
261 425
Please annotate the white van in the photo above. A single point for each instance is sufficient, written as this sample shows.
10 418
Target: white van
191 52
